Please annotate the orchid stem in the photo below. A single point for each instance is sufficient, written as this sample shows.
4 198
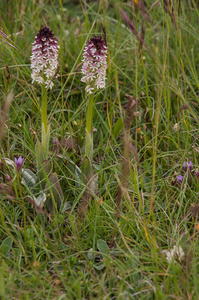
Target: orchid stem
89 118
44 108
89 114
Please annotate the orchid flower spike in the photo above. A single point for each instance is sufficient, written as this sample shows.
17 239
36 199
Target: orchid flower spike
94 64
44 59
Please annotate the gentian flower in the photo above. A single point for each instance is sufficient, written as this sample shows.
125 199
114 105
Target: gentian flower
94 64
179 179
44 63
19 163
189 165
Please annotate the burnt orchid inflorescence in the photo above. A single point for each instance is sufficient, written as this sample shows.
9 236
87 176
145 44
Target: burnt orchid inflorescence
94 64
44 59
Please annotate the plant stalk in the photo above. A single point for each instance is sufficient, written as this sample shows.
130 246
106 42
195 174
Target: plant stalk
89 114
44 109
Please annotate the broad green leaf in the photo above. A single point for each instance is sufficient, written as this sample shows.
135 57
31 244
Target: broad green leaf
103 247
29 178
9 162
99 266
40 199
39 154
87 170
6 246
67 206
54 193
90 254
117 127
76 171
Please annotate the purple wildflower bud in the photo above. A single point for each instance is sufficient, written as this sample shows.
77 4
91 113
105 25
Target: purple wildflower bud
54 144
19 163
94 64
44 57
8 178
179 179
190 166
185 166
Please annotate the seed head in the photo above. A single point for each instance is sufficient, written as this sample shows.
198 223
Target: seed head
44 63
94 64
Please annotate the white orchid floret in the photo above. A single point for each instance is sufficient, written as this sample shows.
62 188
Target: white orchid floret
176 252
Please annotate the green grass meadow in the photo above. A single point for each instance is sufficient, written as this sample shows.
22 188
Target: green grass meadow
109 239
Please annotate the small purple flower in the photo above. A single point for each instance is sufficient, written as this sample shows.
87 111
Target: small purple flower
179 178
19 163
54 141
54 144
185 166
44 63
94 64
189 165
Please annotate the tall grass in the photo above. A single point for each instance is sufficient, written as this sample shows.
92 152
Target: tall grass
145 126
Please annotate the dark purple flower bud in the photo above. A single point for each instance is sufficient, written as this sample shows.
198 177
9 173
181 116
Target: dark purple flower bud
8 178
94 64
54 144
19 163
44 63
185 166
173 181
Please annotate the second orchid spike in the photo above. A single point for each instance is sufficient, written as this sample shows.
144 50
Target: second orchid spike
94 64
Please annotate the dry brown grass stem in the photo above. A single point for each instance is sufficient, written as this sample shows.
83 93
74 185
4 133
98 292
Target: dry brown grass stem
4 113
133 29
